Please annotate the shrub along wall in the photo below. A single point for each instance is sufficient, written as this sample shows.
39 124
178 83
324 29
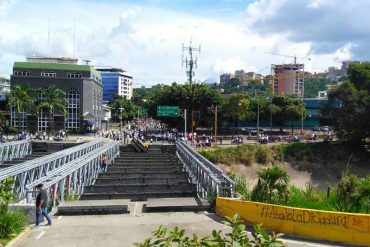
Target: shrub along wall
344 227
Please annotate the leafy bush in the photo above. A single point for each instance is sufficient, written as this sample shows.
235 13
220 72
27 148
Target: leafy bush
241 186
263 154
272 185
237 237
6 194
11 223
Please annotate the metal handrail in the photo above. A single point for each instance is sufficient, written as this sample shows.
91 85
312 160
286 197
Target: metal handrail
72 177
15 149
208 182
27 172
216 171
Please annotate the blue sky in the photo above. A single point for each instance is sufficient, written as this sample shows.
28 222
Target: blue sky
145 37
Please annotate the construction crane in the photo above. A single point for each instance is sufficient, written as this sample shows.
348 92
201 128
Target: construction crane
295 57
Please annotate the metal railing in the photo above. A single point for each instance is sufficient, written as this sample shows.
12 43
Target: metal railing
71 178
15 149
210 180
27 172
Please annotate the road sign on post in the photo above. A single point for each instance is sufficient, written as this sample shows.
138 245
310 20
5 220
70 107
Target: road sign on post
168 111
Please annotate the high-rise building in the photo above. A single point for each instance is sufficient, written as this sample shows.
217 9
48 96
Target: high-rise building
82 85
225 78
4 88
345 64
115 82
288 79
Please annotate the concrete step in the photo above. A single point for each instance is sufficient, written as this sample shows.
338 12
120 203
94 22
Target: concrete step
153 169
139 188
85 207
168 180
139 165
133 161
140 175
140 196
131 158
147 155
177 204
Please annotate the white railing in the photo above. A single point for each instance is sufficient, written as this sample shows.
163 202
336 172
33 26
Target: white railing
210 180
71 178
15 149
27 172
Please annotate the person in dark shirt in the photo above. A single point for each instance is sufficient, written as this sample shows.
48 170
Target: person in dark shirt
41 205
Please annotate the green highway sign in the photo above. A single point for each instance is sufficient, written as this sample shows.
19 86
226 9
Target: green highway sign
144 111
168 111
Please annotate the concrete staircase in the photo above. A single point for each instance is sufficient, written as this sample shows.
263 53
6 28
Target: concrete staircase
139 176
155 178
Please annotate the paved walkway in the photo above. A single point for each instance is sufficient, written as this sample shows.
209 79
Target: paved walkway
122 230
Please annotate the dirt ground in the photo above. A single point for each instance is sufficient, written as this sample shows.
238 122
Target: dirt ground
301 172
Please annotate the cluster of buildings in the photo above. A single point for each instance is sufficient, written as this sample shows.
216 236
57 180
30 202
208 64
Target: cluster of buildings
87 90
244 77
288 79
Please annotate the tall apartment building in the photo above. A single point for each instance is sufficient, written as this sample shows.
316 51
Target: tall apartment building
288 79
115 81
4 88
225 78
82 85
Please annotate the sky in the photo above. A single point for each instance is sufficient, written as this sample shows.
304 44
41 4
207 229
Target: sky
145 37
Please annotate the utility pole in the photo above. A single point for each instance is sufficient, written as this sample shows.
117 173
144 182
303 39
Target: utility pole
121 109
214 109
239 104
184 116
190 62
258 113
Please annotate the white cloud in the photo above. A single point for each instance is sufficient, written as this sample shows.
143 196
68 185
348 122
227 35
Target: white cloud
146 40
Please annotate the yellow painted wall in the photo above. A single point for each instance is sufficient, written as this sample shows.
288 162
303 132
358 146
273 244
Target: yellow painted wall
334 226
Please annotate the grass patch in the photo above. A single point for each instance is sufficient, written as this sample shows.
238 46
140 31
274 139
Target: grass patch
11 224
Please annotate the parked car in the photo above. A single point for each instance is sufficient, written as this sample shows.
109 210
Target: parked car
325 128
316 128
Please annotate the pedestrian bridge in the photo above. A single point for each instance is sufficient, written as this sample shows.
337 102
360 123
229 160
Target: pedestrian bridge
73 171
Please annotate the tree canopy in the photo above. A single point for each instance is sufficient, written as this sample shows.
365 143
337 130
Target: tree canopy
349 104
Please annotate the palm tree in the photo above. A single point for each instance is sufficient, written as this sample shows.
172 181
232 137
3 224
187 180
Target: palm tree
52 99
20 100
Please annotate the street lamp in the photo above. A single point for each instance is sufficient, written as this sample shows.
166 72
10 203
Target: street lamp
239 104
258 113
121 109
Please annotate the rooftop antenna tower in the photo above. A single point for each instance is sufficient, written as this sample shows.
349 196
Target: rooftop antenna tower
190 62
49 50
74 38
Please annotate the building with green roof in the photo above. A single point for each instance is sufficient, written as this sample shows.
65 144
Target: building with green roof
81 83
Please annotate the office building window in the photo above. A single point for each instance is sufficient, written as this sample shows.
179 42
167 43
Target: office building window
73 109
18 120
22 73
49 74
74 75
43 121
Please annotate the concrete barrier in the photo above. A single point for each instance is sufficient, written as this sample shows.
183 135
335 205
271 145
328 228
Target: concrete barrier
334 226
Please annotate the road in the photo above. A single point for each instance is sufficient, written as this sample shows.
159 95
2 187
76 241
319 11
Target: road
125 229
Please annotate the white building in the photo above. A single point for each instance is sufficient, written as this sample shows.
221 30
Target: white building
4 88
115 81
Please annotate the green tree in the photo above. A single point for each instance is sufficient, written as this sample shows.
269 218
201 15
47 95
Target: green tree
236 106
20 99
272 185
130 109
52 99
286 108
349 105
195 97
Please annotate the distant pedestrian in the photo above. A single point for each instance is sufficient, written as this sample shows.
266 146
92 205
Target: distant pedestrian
104 163
41 205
